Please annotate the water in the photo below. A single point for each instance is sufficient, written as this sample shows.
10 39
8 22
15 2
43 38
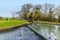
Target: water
50 32
23 33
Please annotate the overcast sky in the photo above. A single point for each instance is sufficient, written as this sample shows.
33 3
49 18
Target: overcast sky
7 6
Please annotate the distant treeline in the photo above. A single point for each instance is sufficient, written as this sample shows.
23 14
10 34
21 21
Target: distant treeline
46 12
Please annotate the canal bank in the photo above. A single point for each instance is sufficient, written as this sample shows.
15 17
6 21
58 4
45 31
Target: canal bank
12 27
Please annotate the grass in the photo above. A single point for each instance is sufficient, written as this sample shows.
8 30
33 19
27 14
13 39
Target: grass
44 22
10 23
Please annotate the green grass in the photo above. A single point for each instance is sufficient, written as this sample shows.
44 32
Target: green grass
10 23
44 22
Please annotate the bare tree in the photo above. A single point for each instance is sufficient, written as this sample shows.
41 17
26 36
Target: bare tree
57 13
37 11
25 9
50 11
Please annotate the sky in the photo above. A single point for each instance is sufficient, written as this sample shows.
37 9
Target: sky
7 7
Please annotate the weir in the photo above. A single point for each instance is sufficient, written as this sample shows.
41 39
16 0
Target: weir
47 31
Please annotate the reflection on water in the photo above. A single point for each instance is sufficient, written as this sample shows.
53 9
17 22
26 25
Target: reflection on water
23 33
50 32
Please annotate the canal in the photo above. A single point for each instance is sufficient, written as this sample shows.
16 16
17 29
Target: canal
22 33
34 31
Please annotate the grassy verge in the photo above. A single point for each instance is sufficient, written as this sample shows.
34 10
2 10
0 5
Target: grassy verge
44 22
9 23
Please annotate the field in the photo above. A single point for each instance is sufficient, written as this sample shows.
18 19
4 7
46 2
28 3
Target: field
10 23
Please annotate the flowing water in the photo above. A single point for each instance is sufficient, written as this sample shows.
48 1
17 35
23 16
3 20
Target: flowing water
23 33
50 32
